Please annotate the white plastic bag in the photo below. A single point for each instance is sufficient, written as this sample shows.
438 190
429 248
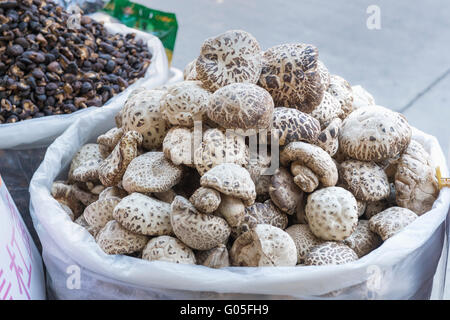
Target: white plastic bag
41 132
402 268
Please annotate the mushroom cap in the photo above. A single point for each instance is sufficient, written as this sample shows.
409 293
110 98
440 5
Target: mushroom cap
82 222
230 57
264 245
324 74
98 213
218 147
178 146
143 215
330 253
113 192
265 213
185 102
168 249
197 230
362 240
107 141
112 169
374 133
115 239
294 125
361 205
415 182
232 209
151 172
361 98
313 157
205 200
257 165
241 106
328 139
366 180
85 197
341 89
65 195
165 196
85 163
190 72
142 113
391 221
328 109
304 177
214 258
290 75
232 180
304 240
332 213
284 193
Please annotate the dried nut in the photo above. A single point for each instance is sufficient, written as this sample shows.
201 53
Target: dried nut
304 177
232 209
391 221
332 213
85 163
233 56
184 103
374 133
143 215
198 230
264 245
324 75
107 141
328 139
82 222
361 98
231 179
178 146
284 192
330 253
328 110
366 180
294 125
362 240
290 75
214 258
415 182
115 239
64 194
168 249
190 72
241 106
112 169
205 200
85 197
304 240
113 192
98 213
341 89
151 172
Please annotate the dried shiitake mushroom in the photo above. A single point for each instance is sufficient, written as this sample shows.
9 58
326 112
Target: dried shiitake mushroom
169 249
330 253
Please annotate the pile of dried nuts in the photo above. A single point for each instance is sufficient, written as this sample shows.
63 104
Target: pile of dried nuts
177 179
49 66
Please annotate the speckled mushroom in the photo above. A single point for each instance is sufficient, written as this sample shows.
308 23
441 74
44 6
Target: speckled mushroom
332 213
113 192
85 163
324 74
178 146
107 141
328 109
214 258
241 106
98 213
361 206
265 213
85 197
232 209
115 239
304 240
415 182
197 230
168 249
362 240
330 253
205 200
82 222
361 98
64 194
341 89
290 75
374 133
190 72
284 193
264 245
151 172
231 57
391 221
328 139
165 196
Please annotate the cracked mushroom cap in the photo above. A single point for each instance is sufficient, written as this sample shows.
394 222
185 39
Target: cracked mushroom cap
312 157
64 194
284 193
341 90
374 133
332 213
415 182
294 125
151 172
290 75
328 139
178 146
218 147
190 72
231 57
391 221
197 230
241 106
112 169
85 163
262 246
143 215
107 141
185 102
232 180
205 200
214 258
98 213
304 240
142 113
324 74
330 253
328 109
362 240
361 98
366 180
115 239
168 249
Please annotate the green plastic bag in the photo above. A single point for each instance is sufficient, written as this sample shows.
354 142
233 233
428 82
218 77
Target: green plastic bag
162 24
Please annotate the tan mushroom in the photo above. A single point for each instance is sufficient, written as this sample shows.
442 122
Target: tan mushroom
107 141
113 192
330 253
391 221
265 213
304 177
232 209
190 72
205 200
115 239
165 196
85 197
214 258
374 207
362 240
324 74
64 194
290 75
231 57
328 139
178 146
341 89
304 240
85 163
168 249
361 206
328 109
98 213
82 222
361 98
284 193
